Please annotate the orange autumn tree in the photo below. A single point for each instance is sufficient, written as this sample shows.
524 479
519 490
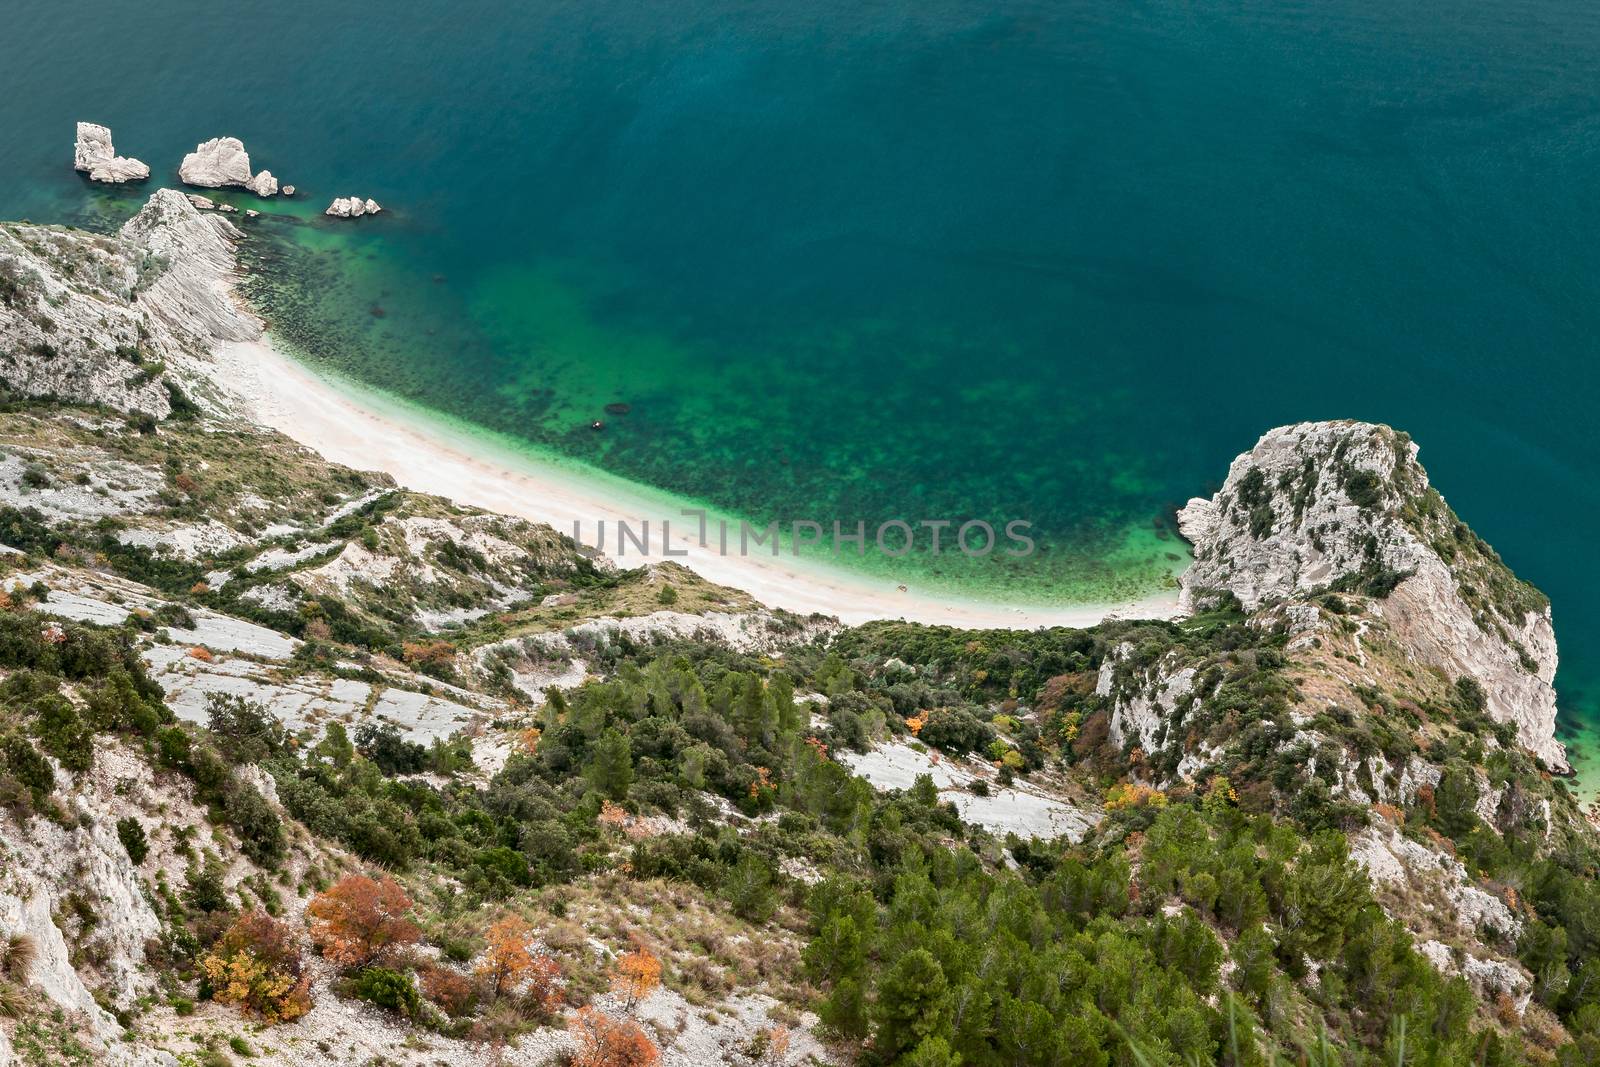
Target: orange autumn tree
510 964
607 1042
359 919
256 965
636 976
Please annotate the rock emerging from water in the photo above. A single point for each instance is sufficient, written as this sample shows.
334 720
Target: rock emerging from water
221 162
95 155
263 184
352 207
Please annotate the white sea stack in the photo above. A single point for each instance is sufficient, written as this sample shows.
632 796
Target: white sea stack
288 190
204 203
216 163
95 155
263 184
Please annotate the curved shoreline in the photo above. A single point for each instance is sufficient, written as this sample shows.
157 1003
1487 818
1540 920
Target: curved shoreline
358 427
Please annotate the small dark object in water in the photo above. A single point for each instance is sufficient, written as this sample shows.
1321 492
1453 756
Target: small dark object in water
378 312
438 279
597 425
618 408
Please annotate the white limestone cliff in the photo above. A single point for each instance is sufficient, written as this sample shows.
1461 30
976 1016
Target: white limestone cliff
95 155
114 319
1345 506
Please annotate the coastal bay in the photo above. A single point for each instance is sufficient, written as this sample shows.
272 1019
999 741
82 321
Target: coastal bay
361 428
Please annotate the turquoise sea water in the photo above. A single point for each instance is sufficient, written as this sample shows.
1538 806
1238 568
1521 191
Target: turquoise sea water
1051 261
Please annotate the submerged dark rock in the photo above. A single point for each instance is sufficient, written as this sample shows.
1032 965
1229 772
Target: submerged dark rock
618 408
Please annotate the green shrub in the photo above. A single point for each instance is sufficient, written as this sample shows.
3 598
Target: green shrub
133 840
389 989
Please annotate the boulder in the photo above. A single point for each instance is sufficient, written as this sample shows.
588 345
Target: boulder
95 155
222 161
218 162
263 184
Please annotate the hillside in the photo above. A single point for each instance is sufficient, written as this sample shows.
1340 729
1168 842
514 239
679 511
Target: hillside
296 764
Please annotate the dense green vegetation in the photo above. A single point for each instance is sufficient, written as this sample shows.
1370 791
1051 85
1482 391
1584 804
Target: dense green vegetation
1225 924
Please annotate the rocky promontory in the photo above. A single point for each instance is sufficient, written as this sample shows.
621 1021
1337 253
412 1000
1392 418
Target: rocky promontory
95 155
1345 508
118 320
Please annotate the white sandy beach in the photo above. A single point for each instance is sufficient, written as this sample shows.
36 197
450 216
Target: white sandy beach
351 426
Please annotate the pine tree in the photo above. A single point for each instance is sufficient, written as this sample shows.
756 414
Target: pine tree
610 772
781 687
913 1004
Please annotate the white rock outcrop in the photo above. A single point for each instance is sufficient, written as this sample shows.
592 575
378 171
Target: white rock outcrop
218 162
1151 700
89 315
263 184
352 207
1345 506
222 162
95 155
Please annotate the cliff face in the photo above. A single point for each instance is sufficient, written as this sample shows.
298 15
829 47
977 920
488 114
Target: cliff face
119 320
1345 507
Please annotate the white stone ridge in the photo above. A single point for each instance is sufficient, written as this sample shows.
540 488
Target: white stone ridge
1024 809
112 319
95 155
1142 713
1488 977
1285 525
1390 858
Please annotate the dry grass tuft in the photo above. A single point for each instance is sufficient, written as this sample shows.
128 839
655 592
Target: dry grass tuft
16 960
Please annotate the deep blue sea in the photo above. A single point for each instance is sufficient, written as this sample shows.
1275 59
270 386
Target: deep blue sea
1054 261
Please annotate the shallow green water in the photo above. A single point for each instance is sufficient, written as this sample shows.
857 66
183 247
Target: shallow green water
1049 261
